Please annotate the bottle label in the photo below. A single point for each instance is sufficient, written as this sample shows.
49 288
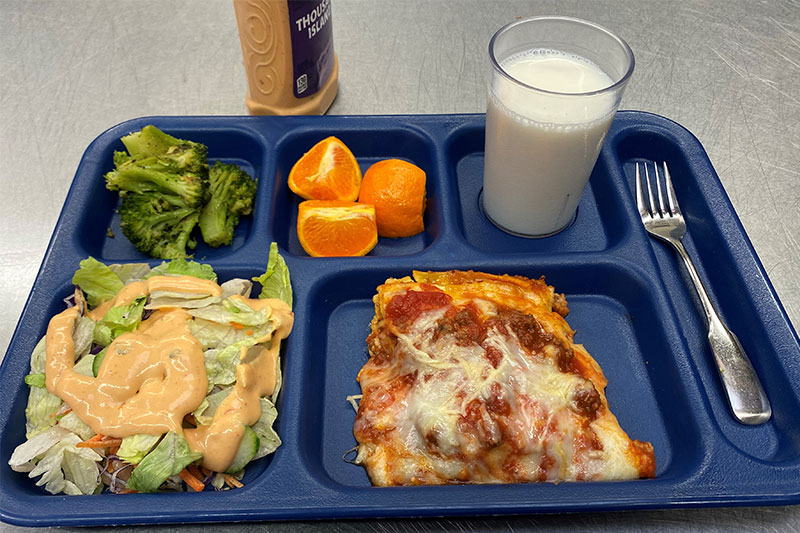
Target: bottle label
312 44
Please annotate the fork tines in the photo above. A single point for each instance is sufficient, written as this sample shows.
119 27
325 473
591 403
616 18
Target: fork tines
647 204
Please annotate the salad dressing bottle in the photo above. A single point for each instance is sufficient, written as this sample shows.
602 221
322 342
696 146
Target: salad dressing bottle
287 47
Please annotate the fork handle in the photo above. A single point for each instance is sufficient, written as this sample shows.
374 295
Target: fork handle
746 396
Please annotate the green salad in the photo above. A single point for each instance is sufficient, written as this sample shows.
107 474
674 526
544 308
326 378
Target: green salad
233 338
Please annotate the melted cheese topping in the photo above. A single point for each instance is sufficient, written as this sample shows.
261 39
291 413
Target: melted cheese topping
467 389
152 377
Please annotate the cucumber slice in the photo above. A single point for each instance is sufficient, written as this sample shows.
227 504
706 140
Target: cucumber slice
247 450
98 359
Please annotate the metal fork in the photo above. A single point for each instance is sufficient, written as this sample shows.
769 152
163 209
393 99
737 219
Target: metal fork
662 218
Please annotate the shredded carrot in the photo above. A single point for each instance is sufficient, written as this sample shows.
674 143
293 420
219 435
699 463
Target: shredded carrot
236 325
232 481
129 491
99 443
193 470
192 481
249 332
65 413
96 438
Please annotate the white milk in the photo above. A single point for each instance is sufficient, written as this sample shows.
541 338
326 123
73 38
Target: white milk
541 147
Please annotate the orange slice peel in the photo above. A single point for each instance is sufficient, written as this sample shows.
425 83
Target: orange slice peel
397 190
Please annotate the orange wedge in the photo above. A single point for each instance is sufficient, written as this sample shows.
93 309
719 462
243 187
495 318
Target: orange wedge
397 190
328 171
334 228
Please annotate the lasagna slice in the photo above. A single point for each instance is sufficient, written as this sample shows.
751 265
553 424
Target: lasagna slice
474 378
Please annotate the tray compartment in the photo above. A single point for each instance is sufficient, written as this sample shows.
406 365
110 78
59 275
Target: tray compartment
716 261
596 227
99 211
368 146
13 435
644 389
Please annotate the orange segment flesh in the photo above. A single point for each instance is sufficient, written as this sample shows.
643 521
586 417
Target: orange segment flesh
336 228
328 171
397 190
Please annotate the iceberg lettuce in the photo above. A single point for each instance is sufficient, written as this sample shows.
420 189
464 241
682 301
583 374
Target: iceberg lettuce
22 460
167 459
118 320
236 286
213 334
35 380
82 336
130 272
186 300
97 280
275 282
233 311
268 439
134 448
40 413
85 364
71 422
182 267
205 412
39 357
63 467
221 364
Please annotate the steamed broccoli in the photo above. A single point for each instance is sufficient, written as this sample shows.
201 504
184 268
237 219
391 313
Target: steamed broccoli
232 192
184 155
165 185
159 225
153 174
121 158
157 162
162 181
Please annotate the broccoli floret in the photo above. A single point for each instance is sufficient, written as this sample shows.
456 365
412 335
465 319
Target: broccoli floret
158 225
121 158
155 175
159 162
183 154
167 189
232 193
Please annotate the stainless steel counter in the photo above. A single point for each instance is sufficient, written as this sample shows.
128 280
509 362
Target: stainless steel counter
729 71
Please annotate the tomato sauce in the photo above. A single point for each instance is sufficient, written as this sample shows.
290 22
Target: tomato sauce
403 309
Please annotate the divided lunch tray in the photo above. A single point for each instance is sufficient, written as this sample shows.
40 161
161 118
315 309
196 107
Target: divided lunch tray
630 302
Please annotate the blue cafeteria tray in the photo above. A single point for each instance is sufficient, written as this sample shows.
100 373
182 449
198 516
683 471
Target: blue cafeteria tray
630 304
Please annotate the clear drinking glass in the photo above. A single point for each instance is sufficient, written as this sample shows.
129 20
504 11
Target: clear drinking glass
555 85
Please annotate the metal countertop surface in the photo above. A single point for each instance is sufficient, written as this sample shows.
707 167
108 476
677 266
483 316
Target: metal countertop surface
729 71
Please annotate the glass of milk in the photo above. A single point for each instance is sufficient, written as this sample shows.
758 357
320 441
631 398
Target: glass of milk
555 85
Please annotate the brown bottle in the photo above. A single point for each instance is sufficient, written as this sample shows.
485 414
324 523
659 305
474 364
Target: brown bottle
287 46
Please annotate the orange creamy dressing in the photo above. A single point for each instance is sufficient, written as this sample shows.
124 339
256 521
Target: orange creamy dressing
152 377
255 377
